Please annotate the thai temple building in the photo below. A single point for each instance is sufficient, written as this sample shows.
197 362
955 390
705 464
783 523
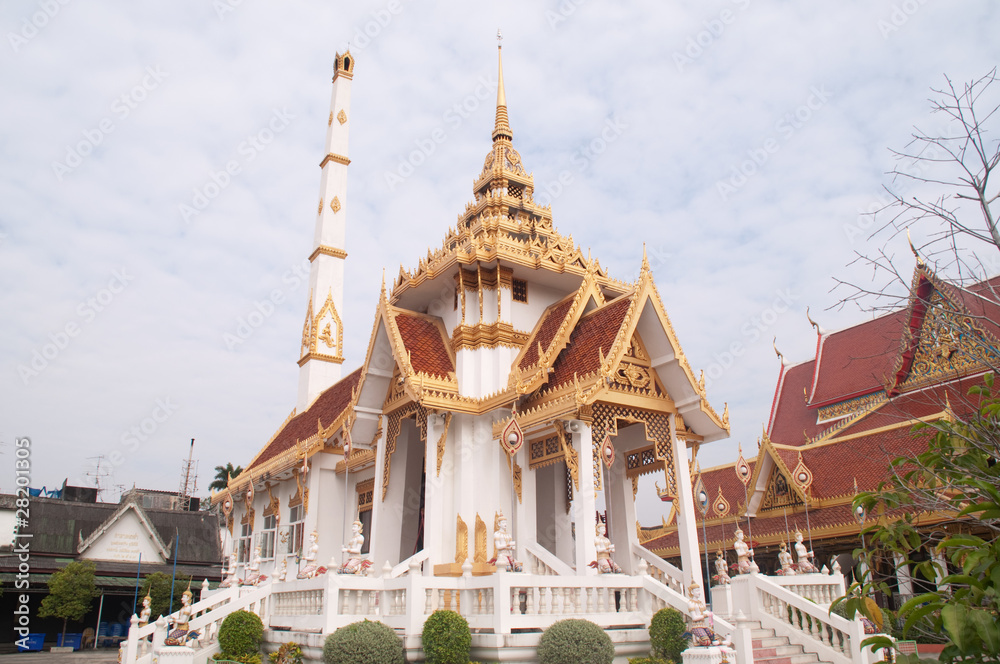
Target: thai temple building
838 420
509 381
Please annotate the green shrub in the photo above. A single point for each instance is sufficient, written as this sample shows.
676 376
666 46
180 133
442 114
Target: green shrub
240 635
446 638
575 642
666 634
649 660
363 642
239 659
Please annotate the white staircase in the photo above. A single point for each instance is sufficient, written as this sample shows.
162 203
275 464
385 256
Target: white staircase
769 648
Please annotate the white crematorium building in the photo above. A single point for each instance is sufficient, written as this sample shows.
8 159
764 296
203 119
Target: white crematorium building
505 374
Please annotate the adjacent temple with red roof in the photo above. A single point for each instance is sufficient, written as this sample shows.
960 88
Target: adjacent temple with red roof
840 418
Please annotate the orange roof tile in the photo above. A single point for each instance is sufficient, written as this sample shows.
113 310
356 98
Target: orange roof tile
326 408
424 339
552 318
594 332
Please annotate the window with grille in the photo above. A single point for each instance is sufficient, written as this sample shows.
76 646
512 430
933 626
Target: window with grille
520 289
267 537
296 517
246 534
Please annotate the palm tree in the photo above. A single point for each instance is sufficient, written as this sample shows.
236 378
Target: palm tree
222 475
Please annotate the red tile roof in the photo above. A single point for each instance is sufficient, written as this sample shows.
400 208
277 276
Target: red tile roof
595 331
732 488
552 318
326 408
793 420
424 339
858 360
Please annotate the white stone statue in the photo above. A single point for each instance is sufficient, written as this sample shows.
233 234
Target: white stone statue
283 570
231 578
312 568
504 545
702 632
787 564
721 569
804 557
353 562
253 572
146 611
604 564
743 553
181 632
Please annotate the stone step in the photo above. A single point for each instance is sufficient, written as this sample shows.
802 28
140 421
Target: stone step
801 658
769 641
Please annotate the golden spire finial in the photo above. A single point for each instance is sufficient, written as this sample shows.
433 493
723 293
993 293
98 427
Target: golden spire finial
916 254
819 330
502 128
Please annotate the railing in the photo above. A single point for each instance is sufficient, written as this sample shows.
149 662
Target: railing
541 561
411 565
209 614
820 588
805 623
660 569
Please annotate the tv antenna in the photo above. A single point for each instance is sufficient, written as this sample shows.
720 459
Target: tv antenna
189 480
97 474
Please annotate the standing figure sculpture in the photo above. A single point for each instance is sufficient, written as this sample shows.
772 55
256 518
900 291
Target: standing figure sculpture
503 543
181 632
312 568
283 570
353 562
804 561
702 633
605 548
785 558
231 579
721 569
743 553
253 572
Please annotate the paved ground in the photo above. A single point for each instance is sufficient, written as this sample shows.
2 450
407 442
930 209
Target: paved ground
103 656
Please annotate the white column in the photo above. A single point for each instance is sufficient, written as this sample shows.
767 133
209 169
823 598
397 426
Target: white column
903 578
524 508
687 525
434 494
940 571
621 512
584 503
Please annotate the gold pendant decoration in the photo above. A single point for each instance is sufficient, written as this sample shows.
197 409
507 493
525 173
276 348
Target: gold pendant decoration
335 205
341 117
319 208
481 539
330 121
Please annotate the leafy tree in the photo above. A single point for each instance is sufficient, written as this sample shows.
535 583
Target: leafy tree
71 590
222 475
157 586
958 476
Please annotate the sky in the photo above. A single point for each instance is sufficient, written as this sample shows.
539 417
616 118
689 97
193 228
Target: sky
741 141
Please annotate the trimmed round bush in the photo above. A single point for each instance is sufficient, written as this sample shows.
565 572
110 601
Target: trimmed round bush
575 642
363 642
666 634
241 634
446 638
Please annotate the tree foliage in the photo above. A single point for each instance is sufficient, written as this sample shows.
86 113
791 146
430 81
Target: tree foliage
157 586
222 475
956 482
71 590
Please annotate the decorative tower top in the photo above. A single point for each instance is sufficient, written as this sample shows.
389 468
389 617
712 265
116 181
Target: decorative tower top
344 66
502 129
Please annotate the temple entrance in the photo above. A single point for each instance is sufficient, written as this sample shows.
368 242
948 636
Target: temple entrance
411 535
